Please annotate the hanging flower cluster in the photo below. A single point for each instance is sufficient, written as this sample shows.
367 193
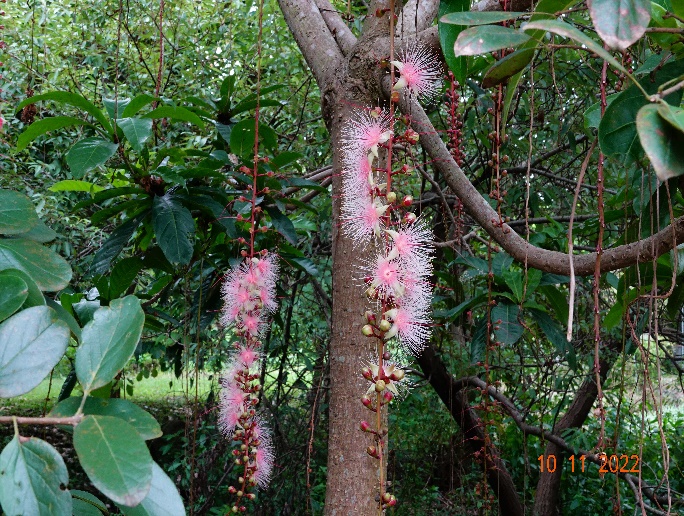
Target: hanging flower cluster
249 298
396 273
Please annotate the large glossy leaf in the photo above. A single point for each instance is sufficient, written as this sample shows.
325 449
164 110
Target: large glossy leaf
137 104
175 113
35 296
448 32
74 185
17 213
507 67
618 136
136 130
568 31
108 342
114 245
40 127
73 99
114 457
507 328
482 39
86 504
242 137
88 154
39 233
33 479
173 226
663 143
32 342
555 335
282 224
13 293
620 22
479 17
123 275
49 270
142 421
115 106
162 500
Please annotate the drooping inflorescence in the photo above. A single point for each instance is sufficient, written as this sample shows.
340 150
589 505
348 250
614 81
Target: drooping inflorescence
396 272
249 298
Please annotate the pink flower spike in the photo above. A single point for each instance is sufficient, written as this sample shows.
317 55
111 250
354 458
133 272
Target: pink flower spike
386 276
420 72
247 356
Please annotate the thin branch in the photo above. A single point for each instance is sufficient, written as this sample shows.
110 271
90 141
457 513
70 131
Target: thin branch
71 421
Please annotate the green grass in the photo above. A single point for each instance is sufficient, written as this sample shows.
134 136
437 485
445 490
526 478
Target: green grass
164 388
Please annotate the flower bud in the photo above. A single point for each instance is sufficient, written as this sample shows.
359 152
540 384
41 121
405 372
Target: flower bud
386 497
366 401
397 375
367 373
391 197
365 426
408 201
370 316
388 396
380 386
384 325
367 330
372 451
410 217
395 96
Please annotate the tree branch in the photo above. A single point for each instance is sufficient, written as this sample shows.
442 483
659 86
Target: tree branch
556 262
71 420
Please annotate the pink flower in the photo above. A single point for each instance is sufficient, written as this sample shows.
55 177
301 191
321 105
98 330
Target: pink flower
231 405
411 244
357 173
246 356
264 457
420 72
362 216
366 130
411 323
385 276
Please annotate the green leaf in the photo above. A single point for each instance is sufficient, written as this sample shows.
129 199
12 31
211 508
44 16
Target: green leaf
114 245
137 104
162 500
487 38
282 224
620 23
31 343
592 116
505 317
88 154
86 504
65 316
108 342
175 113
557 300
673 115
479 17
285 159
115 107
73 99
49 270
507 67
33 479
303 264
242 137
13 293
617 131
663 144
514 280
555 335
74 185
478 342
173 226
115 458
136 130
123 275
568 31
40 127
39 233
142 421
448 34
17 213
457 311
35 296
